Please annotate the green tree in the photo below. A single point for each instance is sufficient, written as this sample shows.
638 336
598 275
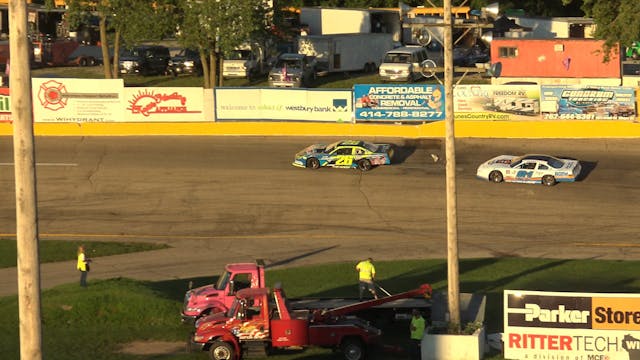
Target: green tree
126 21
617 21
214 27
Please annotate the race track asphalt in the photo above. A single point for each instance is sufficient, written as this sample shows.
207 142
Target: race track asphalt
217 200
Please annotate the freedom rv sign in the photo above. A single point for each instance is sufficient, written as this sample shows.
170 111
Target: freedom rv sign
571 326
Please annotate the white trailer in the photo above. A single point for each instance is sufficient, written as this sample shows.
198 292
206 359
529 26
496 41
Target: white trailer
327 21
346 52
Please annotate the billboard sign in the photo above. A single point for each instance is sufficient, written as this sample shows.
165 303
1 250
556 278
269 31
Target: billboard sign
559 325
559 102
254 104
399 102
164 104
77 100
5 105
496 102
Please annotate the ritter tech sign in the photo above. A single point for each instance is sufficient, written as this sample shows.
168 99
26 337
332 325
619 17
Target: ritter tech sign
571 326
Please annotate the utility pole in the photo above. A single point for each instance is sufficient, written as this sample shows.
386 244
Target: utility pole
453 278
29 307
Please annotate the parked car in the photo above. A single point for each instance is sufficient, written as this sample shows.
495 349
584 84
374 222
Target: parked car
186 61
470 56
345 154
531 169
145 60
403 64
293 70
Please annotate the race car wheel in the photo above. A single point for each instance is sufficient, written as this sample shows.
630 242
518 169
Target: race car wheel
352 349
221 350
495 176
548 180
313 163
364 165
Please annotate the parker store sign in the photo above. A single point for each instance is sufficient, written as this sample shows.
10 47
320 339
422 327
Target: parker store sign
571 326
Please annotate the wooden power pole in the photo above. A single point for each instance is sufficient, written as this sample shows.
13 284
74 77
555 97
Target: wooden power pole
25 180
453 278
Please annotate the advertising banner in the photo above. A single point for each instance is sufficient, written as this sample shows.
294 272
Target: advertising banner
559 325
560 102
164 104
496 102
77 100
255 104
5 105
398 102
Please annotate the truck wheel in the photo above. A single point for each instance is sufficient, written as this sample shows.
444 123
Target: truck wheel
83 61
352 349
221 350
91 61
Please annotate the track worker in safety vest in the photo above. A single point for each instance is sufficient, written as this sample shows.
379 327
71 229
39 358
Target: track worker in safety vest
417 332
83 266
366 276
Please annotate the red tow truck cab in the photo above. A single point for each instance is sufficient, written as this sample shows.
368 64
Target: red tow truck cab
256 324
215 298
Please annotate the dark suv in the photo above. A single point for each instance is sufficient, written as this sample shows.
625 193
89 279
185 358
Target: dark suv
145 60
186 61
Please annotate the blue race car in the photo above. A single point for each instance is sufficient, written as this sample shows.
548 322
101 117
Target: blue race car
345 154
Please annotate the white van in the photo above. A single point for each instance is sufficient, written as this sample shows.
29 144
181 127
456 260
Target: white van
403 63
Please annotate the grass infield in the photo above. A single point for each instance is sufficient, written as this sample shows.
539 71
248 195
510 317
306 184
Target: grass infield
99 321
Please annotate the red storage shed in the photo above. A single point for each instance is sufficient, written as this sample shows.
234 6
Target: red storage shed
524 59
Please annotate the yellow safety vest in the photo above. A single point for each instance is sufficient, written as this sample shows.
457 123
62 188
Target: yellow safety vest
417 328
82 266
366 269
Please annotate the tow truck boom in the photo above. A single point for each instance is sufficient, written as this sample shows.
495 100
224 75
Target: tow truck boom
324 315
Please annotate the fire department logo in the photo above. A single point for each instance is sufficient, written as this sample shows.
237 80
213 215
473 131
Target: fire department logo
51 95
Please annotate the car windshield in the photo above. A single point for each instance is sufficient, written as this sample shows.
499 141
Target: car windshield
131 52
188 53
223 280
240 55
234 308
516 161
397 58
330 147
552 161
555 163
369 146
290 64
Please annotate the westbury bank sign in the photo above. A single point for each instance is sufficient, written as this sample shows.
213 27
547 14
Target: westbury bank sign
571 326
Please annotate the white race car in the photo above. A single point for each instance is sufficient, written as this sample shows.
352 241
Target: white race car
532 169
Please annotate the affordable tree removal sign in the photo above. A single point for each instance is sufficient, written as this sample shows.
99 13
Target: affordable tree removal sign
571 326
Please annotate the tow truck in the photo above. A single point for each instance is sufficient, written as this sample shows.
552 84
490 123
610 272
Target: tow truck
260 320
218 297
